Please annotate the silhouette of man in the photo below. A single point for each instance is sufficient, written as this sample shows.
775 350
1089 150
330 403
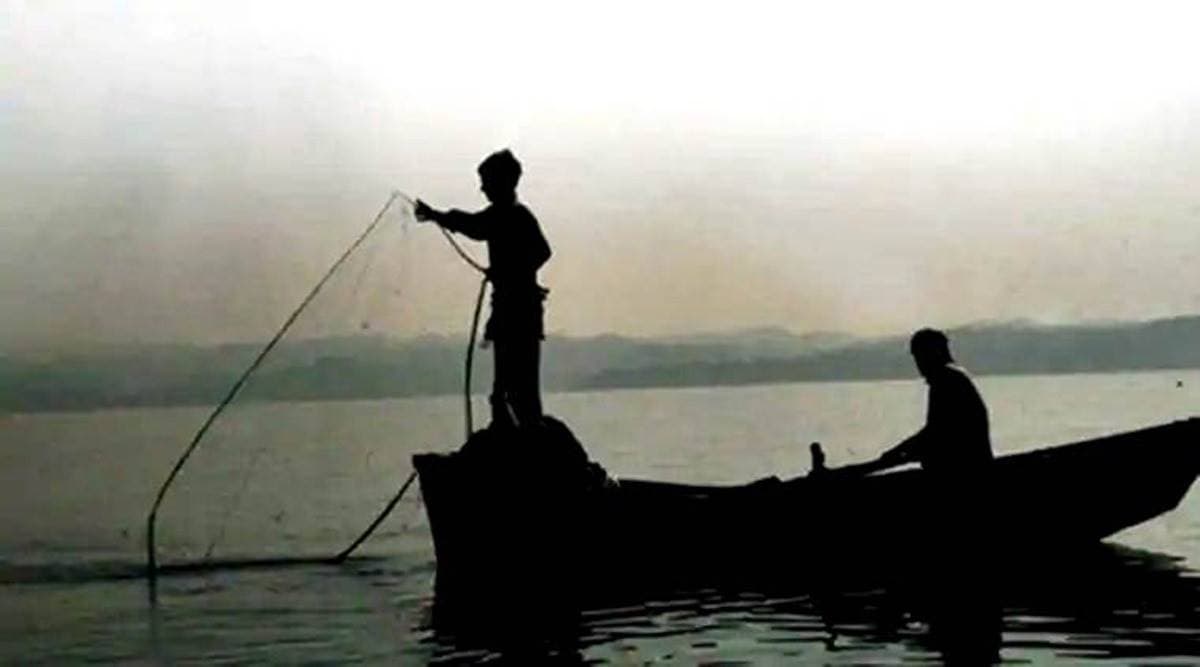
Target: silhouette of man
954 447
955 437
516 250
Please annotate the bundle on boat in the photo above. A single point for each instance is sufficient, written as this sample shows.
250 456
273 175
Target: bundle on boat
511 505
525 510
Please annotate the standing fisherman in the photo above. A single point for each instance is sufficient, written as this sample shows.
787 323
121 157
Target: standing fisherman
516 250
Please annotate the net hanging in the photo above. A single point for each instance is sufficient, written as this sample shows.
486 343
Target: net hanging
310 444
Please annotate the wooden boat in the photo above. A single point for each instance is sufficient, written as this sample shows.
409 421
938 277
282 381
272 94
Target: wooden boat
527 512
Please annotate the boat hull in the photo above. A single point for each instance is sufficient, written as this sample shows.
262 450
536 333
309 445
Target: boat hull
506 524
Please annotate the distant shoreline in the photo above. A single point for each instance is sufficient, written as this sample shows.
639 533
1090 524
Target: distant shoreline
481 393
372 367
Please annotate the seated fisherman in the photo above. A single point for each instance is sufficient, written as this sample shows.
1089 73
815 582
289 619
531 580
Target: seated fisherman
516 250
955 436
953 537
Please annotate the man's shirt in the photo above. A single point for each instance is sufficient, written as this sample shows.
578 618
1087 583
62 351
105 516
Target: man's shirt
516 246
955 436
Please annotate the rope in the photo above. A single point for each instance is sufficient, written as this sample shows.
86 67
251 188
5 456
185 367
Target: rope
468 412
391 504
450 239
471 355
470 359
151 556
378 520
462 253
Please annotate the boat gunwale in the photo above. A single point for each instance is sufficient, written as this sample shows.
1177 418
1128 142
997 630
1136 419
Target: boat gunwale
1006 460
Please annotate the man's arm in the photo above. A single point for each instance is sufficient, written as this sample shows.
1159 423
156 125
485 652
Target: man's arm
908 450
535 248
913 447
471 225
541 251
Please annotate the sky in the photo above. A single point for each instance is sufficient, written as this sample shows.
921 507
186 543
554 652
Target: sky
187 171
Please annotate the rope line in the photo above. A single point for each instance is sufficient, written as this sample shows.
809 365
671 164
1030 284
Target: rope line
468 410
471 356
344 553
462 253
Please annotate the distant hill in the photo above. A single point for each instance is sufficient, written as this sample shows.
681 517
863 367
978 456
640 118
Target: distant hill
374 366
351 367
1016 348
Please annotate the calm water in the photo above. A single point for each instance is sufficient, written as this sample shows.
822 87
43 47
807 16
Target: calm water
289 479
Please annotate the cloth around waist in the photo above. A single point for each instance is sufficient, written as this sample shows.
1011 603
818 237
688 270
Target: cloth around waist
516 314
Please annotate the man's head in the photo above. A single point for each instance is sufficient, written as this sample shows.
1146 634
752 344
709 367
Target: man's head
498 176
930 350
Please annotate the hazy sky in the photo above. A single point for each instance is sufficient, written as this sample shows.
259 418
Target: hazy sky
175 171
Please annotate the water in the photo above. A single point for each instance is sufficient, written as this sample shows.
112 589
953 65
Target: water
76 487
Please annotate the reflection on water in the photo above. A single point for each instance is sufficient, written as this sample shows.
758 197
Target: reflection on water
1107 602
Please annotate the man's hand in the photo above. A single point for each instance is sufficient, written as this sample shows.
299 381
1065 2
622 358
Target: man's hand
908 450
424 212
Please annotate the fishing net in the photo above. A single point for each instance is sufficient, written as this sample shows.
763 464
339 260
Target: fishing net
316 437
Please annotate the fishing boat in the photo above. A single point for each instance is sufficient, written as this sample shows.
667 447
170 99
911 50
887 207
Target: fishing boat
519 512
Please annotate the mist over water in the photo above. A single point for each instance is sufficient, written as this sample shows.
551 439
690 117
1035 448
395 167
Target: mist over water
76 487
184 173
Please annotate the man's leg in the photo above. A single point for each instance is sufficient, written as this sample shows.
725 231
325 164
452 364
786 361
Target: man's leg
502 415
525 381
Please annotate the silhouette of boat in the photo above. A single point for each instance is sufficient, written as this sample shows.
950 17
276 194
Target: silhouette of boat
513 514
